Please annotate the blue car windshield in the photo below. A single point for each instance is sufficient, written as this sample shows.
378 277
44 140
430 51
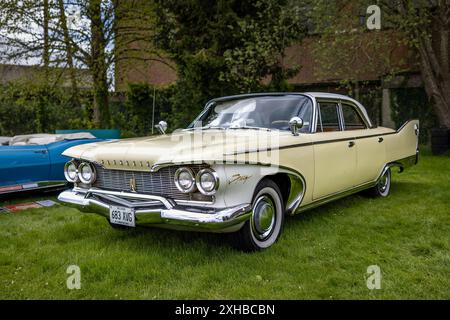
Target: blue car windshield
269 112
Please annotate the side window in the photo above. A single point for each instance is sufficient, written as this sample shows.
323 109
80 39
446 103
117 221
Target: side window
352 119
329 118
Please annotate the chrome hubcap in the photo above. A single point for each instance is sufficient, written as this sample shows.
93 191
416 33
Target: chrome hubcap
263 217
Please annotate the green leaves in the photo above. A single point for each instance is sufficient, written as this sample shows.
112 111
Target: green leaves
226 47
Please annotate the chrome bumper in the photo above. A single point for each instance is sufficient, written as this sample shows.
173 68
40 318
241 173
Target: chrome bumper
158 211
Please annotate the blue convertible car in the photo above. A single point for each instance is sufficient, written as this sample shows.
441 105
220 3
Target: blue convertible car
30 162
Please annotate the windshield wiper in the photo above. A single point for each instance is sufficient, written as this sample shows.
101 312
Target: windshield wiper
250 128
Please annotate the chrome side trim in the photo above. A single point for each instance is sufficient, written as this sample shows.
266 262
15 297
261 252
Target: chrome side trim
194 202
335 196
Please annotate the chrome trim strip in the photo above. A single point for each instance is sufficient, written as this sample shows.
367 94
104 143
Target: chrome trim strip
130 204
334 196
168 203
194 202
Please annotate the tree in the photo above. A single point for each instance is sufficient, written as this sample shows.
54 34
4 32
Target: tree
225 47
67 35
426 27
423 26
69 52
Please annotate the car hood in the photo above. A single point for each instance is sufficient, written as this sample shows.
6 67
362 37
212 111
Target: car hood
207 146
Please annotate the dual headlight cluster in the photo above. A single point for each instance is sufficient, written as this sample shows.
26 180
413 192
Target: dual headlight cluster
206 180
83 172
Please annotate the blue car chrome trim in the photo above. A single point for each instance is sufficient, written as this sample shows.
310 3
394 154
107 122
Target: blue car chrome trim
29 186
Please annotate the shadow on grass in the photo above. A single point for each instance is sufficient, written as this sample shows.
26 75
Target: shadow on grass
28 196
143 238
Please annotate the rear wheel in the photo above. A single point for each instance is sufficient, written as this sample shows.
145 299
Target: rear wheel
266 222
382 188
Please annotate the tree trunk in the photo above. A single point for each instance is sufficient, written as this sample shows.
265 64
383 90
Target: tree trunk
98 66
69 54
433 63
46 47
436 90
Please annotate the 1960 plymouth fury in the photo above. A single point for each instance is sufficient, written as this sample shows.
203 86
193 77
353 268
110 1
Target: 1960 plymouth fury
241 166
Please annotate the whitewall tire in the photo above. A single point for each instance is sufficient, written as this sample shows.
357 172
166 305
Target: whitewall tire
266 222
383 186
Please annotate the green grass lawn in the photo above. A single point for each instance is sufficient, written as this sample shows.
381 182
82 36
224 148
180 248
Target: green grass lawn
323 253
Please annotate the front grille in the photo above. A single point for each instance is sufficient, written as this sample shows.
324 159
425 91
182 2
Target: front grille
158 183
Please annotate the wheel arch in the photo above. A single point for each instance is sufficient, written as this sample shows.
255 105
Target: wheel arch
292 186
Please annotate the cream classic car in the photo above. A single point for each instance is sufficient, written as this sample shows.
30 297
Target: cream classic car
241 166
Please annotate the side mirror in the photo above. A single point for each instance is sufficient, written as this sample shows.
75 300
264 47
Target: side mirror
162 127
295 124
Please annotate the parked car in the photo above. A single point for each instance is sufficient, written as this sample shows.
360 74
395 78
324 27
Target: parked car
30 162
221 174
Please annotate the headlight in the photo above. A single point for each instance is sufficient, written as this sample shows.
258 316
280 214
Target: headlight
184 179
207 181
86 173
71 172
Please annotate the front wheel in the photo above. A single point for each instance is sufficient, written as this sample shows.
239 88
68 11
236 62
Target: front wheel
266 222
382 188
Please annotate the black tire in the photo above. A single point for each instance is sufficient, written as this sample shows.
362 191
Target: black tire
257 233
383 186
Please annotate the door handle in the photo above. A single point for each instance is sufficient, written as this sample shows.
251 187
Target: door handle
351 144
380 139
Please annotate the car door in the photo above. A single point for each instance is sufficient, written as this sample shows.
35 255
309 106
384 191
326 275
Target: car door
334 152
371 152
23 164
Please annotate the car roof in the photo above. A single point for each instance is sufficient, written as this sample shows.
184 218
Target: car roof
325 95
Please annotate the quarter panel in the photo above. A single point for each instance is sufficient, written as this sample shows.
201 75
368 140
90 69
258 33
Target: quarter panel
402 144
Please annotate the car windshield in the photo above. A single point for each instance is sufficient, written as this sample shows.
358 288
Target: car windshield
267 112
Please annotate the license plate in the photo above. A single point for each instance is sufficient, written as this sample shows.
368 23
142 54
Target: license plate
121 215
